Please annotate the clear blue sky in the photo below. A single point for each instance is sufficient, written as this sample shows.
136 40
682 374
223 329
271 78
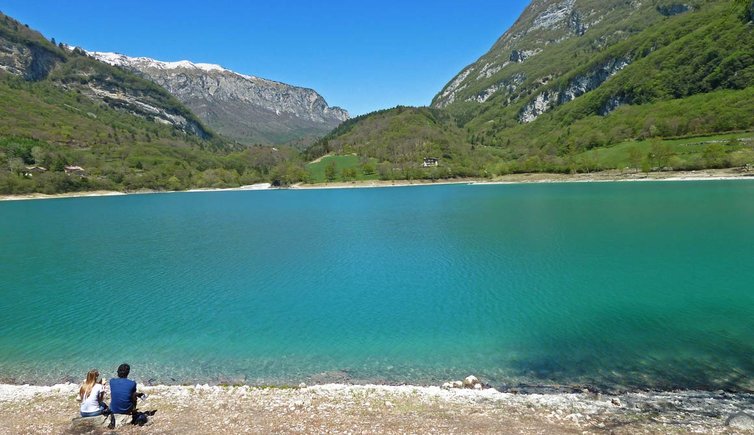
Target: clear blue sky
362 55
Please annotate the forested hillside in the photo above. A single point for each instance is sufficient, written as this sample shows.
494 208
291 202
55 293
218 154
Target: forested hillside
69 123
575 76
573 86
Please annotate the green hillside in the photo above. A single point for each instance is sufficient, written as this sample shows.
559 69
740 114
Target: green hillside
577 75
401 138
343 168
573 86
61 108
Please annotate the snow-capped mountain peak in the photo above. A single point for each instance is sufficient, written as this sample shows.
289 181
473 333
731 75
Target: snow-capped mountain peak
118 59
246 108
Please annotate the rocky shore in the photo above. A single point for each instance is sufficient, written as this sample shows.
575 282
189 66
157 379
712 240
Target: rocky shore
338 408
604 176
526 178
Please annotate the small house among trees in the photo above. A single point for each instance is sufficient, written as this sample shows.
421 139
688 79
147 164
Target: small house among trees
74 170
29 171
430 162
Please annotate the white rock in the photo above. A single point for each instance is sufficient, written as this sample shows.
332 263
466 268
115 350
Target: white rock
470 381
448 94
741 421
576 87
553 15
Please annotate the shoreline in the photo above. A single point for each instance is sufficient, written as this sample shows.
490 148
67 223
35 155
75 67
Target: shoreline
511 179
341 408
335 377
550 178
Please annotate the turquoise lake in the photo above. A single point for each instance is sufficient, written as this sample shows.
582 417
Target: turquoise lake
610 285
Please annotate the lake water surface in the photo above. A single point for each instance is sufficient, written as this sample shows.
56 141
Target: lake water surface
613 285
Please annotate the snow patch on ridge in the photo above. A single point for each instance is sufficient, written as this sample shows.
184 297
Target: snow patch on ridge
122 60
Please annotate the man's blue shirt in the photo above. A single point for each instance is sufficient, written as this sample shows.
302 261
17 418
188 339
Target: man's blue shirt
121 394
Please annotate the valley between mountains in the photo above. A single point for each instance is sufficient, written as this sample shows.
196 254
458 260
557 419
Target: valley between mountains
573 87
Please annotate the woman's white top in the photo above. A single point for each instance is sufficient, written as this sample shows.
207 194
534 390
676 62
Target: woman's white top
90 402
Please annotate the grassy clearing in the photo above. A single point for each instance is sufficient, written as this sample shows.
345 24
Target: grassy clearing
734 149
342 168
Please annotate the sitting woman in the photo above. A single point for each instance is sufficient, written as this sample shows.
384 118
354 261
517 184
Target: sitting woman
92 394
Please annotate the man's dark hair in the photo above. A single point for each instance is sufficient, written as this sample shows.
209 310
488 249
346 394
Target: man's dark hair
124 370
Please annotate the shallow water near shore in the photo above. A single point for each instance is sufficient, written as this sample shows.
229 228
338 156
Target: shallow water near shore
611 285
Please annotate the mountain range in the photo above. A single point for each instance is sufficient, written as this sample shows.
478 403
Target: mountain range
247 109
572 86
69 122
27 55
572 77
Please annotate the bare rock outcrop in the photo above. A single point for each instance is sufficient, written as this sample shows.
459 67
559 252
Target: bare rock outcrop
245 108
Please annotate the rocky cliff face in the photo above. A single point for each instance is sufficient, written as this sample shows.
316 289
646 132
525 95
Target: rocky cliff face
559 50
556 83
31 62
575 88
673 9
513 58
26 53
245 108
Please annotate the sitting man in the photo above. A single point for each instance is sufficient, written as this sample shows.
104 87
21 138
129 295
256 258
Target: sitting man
123 393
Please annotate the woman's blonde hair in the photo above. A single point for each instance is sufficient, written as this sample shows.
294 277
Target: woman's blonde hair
86 387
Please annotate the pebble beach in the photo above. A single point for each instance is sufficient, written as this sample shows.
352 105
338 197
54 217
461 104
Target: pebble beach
339 408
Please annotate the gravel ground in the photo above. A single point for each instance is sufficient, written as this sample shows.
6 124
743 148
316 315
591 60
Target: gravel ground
385 409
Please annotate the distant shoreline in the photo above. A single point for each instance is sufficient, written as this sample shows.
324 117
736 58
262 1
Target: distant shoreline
550 178
527 178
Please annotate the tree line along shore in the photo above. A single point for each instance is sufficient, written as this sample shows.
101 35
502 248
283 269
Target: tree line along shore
30 166
603 176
